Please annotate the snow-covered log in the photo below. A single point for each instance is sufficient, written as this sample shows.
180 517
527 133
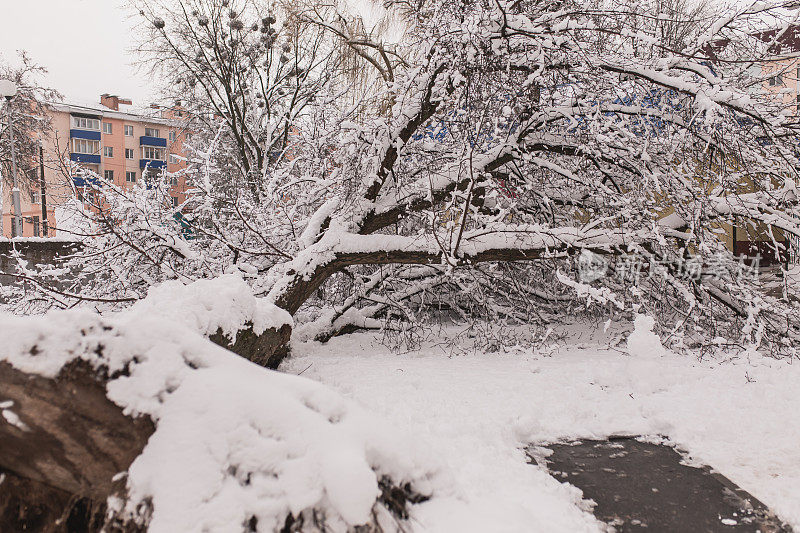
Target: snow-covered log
144 414
63 431
225 310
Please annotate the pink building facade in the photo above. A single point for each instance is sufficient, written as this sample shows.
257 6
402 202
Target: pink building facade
122 147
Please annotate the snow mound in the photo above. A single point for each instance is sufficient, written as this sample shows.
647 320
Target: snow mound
206 305
643 342
235 444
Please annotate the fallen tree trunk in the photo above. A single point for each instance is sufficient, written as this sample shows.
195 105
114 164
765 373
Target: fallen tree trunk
27 505
266 349
74 456
62 442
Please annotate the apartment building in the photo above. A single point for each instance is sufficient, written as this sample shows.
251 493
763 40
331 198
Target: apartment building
779 73
122 147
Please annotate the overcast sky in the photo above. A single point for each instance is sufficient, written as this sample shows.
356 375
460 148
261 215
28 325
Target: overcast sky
84 44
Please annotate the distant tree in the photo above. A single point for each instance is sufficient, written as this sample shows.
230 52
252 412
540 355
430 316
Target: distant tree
244 70
31 123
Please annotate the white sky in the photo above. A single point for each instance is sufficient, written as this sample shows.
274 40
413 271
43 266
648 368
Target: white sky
84 44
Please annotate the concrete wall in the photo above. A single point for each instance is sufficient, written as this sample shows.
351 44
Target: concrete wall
39 251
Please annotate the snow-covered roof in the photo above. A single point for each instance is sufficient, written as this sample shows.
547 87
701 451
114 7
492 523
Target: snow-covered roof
101 110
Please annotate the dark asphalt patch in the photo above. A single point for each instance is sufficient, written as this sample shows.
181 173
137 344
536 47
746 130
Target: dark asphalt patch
639 486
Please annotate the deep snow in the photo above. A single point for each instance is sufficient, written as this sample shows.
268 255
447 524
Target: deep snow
477 411
234 440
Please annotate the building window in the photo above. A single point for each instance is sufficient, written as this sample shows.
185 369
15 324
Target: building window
83 123
108 151
173 158
151 152
171 136
35 226
107 127
128 153
109 175
35 199
776 80
130 177
128 131
151 132
173 180
174 201
85 146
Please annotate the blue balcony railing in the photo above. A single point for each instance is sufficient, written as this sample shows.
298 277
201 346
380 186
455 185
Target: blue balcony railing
152 163
145 140
85 158
85 134
83 181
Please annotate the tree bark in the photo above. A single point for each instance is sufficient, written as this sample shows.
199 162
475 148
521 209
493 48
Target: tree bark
267 349
67 443
27 505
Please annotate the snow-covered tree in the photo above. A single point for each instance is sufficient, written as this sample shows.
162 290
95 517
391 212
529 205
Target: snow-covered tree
513 144
31 123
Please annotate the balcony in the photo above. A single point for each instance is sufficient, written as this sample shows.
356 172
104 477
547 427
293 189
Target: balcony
83 181
85 158
144 140
152 163
84 134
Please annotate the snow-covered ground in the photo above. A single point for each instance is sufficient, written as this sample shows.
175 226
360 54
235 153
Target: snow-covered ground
236 442
477 411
